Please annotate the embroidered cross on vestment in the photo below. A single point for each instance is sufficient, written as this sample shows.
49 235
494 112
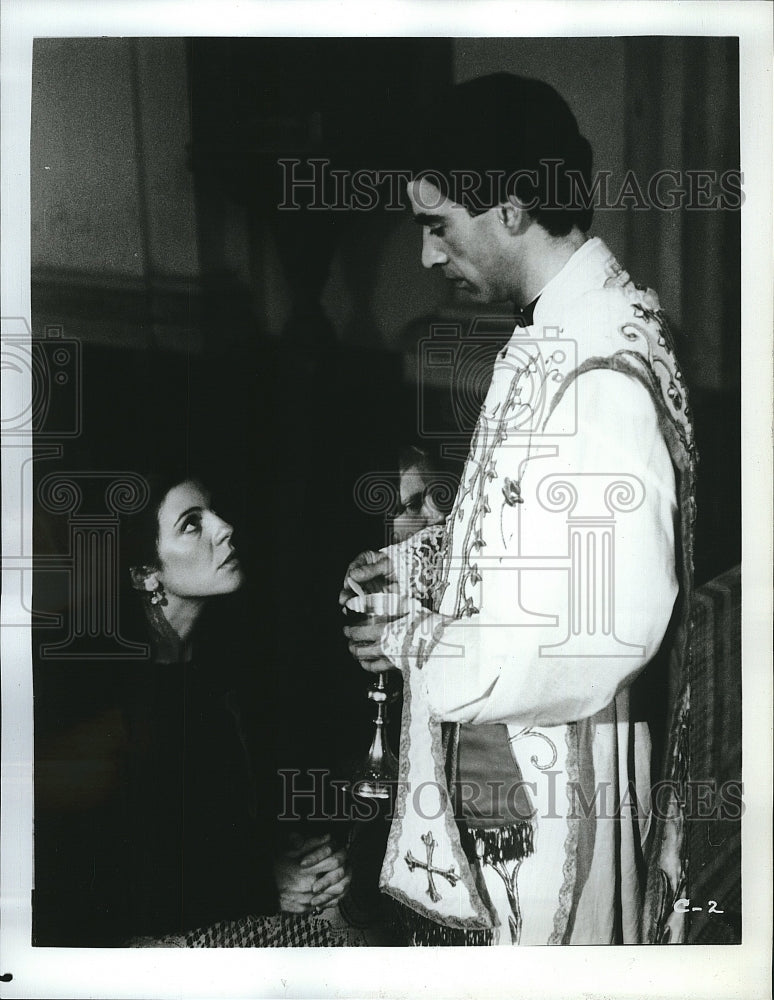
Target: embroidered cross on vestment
448 873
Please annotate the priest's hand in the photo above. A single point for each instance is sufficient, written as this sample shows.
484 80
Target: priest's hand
365 644
373 572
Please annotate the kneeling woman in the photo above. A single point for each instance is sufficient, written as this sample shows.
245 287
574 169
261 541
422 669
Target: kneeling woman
202 835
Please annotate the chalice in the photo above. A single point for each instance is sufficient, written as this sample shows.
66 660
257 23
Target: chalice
379 770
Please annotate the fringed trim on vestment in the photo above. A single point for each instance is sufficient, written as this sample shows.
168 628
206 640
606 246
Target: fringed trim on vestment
504 843
419 931
489 846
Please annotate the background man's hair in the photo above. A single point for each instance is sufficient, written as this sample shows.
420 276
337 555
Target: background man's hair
504 137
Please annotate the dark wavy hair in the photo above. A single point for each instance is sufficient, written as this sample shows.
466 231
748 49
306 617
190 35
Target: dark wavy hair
496 129
140 535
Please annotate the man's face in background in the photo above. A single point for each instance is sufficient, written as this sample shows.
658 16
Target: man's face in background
417 508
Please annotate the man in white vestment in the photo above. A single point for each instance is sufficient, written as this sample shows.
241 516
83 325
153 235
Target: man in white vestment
523 811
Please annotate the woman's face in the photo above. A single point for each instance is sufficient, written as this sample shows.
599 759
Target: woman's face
195 552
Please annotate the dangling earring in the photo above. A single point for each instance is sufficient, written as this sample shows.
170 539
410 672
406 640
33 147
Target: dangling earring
152 588
157 595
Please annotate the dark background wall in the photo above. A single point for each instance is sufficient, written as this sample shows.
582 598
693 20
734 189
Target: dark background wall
278 351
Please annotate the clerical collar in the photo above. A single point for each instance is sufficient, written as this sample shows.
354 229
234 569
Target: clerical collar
526 316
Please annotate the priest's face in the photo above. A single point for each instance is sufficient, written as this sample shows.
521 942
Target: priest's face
194 546
470 251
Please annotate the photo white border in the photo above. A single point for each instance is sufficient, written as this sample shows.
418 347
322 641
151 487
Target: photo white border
701 972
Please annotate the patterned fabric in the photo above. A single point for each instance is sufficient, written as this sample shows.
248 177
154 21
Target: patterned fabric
425 867
283 930
419 566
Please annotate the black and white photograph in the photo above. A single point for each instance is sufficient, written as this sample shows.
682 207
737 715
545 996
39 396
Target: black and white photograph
386 415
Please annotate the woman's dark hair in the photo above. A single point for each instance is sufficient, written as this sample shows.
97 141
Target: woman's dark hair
503 136
140 534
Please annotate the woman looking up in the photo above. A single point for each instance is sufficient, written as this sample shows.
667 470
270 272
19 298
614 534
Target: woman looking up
201 739
155 783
